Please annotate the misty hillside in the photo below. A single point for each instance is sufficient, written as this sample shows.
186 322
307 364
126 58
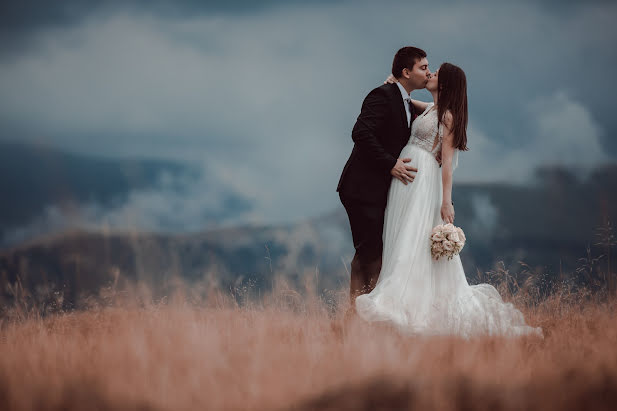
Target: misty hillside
546 226
83 262
34 176
35 179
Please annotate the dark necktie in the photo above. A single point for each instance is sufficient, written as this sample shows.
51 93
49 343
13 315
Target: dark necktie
408 102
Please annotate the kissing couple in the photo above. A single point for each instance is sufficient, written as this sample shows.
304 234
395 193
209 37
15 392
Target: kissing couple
396 187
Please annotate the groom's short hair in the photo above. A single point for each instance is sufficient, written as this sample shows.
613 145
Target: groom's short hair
406 58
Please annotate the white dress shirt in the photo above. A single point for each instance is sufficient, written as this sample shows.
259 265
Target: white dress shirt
406 101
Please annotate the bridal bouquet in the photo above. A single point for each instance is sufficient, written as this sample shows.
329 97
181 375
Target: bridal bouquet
446 240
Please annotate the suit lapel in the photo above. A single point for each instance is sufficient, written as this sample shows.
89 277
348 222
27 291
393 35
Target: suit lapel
398 102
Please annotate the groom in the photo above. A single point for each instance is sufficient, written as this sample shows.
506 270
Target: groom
380 133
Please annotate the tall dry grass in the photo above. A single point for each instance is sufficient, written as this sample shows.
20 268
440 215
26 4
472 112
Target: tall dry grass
291 350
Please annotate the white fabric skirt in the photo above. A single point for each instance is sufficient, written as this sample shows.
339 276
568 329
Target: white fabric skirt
421 296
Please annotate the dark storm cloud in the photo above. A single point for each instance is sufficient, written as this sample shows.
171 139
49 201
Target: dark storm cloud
20 17
21 20
266 94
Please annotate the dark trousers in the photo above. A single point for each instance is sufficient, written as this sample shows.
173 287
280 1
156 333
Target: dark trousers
366 221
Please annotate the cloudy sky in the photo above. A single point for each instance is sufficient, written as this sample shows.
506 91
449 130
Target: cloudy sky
263 95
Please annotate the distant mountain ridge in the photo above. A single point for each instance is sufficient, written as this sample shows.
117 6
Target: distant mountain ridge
547 226
35 178
32 176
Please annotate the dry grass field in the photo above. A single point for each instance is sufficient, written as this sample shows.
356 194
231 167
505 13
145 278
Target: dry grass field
290 351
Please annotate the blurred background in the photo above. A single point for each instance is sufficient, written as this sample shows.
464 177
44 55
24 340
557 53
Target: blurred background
153 139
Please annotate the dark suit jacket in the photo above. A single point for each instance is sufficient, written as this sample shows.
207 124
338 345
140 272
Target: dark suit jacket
379 135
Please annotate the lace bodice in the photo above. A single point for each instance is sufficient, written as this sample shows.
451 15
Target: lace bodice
424 131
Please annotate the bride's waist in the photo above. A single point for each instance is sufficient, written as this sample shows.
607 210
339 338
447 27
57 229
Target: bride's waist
411 145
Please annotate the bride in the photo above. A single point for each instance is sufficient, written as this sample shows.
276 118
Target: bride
415 293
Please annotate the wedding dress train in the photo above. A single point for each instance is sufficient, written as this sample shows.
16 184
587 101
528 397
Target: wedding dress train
416 294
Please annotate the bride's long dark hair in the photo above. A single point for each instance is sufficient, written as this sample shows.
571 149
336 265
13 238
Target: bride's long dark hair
452 95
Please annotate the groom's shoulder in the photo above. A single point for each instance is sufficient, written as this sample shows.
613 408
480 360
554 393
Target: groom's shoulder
384 91
385 88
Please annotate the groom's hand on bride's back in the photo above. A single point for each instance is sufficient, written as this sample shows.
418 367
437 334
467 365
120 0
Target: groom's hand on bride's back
404 172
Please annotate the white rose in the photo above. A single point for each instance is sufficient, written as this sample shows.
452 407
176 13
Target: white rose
453 237
448 245
449 228
437 237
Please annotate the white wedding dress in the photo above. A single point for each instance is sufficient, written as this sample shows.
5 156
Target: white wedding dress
416 294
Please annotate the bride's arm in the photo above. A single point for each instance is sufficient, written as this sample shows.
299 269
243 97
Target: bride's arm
420 106
447 152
